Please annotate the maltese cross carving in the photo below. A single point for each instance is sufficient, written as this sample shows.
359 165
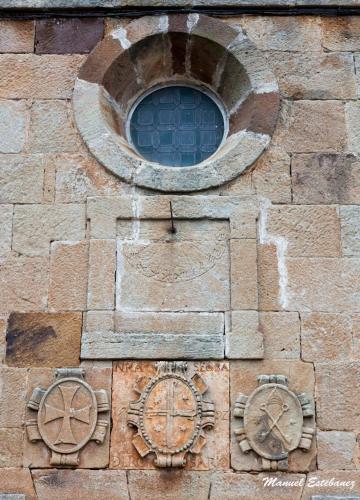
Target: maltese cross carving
67 416
170 415
274 422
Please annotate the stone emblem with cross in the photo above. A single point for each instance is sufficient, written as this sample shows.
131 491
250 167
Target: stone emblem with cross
67 416
170 415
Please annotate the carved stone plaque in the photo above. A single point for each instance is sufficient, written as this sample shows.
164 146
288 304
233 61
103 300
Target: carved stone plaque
67 416
273 422
170 415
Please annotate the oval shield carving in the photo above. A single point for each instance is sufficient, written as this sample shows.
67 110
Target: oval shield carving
67 415
273 421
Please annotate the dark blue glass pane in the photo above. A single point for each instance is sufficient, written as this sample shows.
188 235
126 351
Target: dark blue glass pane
177 126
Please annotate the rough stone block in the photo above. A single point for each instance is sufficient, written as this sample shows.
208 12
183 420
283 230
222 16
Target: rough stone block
245 339
314 75
17 36
102 268
353 126
35 226
80 484
14 117
214 454
310 231
325 337
68 276
356 335
17 481
3 322
6 213
269 182
98 320
68 36
28 76
243 380
340 34
43 339
268 276
11 447
182 485
12 397
103 213
244 285
336 450
52 129
281 332
350 230
332 485
93 455
24 283
325 178
21 178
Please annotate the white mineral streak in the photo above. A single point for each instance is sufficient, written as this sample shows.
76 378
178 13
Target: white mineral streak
267 88
121 35
136 210
164 24
281 247
219 71
192 21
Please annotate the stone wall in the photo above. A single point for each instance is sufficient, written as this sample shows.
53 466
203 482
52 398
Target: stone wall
283 298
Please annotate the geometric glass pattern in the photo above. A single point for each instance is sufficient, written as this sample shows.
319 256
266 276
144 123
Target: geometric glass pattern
177 126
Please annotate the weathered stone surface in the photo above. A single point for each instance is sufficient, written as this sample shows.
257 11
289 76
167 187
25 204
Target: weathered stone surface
243 380
214 455
81 484
3 322
21 178
14 117
281 332
350 230
352 109
310 231
323 284
182 485
310 75
11 447
341 34
265 486
17 36
337 389
325 178
332 485
271 176
356 335
52 129
268 276
244 292
102 268
43 339
245 339
68 36
35 226
103 213
39 77
311 126
17 481
24 283
325 337
6 213
336 450
68 276
12 396
93 455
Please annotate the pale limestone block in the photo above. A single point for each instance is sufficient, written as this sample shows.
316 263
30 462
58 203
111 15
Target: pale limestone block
269 182
80 484
268 278
17 481
24 283
310 231
244 340
17 36
21 178
29 76
332 485
323 284
356 335
6 214
68 276
244 285
12 496
98 320
281 331
35 226
11 447
102 268
14 117
336 449
350 230
340 33
338 390
353 126
103 213
12 396
52 129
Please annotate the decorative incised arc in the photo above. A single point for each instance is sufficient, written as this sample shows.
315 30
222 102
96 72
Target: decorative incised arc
170 415
273 421
67 416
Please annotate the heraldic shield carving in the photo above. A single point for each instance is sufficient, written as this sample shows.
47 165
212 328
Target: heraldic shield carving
274 422
67 416
170 415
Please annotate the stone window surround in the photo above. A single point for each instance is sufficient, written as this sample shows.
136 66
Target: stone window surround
194 49
242 339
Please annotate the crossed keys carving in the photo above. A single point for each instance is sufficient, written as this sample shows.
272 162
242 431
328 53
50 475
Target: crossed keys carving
66 435
274 399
